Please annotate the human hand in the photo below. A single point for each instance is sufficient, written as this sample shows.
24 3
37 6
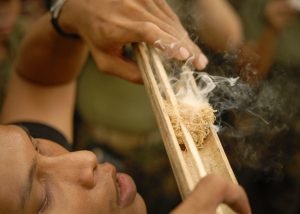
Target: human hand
279 13
210 192
107 25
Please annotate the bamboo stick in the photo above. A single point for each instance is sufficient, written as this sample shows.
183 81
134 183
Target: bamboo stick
191 164
177 161
160 72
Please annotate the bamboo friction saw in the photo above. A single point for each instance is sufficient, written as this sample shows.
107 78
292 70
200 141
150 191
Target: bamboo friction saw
188 164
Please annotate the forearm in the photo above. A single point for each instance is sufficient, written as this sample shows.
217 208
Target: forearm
278 15
42 87
259 55
211 28
46 58
265 48
47 64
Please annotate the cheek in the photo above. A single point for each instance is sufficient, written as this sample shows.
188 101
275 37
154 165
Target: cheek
105 195
75 199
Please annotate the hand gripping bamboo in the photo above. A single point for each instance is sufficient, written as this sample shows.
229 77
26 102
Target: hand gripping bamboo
190 164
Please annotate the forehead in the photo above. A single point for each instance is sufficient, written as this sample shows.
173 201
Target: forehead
15 147
9 134
16 154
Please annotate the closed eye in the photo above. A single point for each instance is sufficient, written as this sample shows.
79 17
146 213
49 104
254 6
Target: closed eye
45 202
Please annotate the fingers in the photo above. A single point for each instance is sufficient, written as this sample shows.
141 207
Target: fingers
200 59
210 192
160 26
163 5
150 21
172 47
162 12
237 200
117 66
184 46
218 191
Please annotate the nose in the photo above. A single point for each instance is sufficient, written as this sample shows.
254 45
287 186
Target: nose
79 168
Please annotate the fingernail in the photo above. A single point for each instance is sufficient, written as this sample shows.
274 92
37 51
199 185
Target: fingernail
202 61
184 53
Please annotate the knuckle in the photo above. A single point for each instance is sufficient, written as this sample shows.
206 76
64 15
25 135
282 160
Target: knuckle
109 32
146 29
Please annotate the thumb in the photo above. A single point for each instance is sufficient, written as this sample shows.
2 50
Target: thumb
117 66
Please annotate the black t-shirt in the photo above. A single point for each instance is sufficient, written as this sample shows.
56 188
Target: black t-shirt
40 130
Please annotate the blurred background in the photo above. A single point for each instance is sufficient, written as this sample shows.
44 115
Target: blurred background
257 40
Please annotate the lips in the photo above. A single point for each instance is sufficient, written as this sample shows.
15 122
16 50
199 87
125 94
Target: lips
126 188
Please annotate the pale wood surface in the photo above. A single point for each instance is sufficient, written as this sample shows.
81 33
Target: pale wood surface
191 164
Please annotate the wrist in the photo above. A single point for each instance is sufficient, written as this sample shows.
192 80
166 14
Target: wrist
62 21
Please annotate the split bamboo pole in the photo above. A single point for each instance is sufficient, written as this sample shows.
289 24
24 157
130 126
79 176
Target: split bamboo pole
190 164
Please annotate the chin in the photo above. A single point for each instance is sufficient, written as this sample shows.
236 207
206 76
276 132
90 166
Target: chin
137 207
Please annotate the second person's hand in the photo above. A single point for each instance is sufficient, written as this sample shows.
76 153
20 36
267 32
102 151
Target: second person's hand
108 25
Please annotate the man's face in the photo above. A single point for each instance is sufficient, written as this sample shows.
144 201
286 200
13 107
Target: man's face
34 180
9 11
